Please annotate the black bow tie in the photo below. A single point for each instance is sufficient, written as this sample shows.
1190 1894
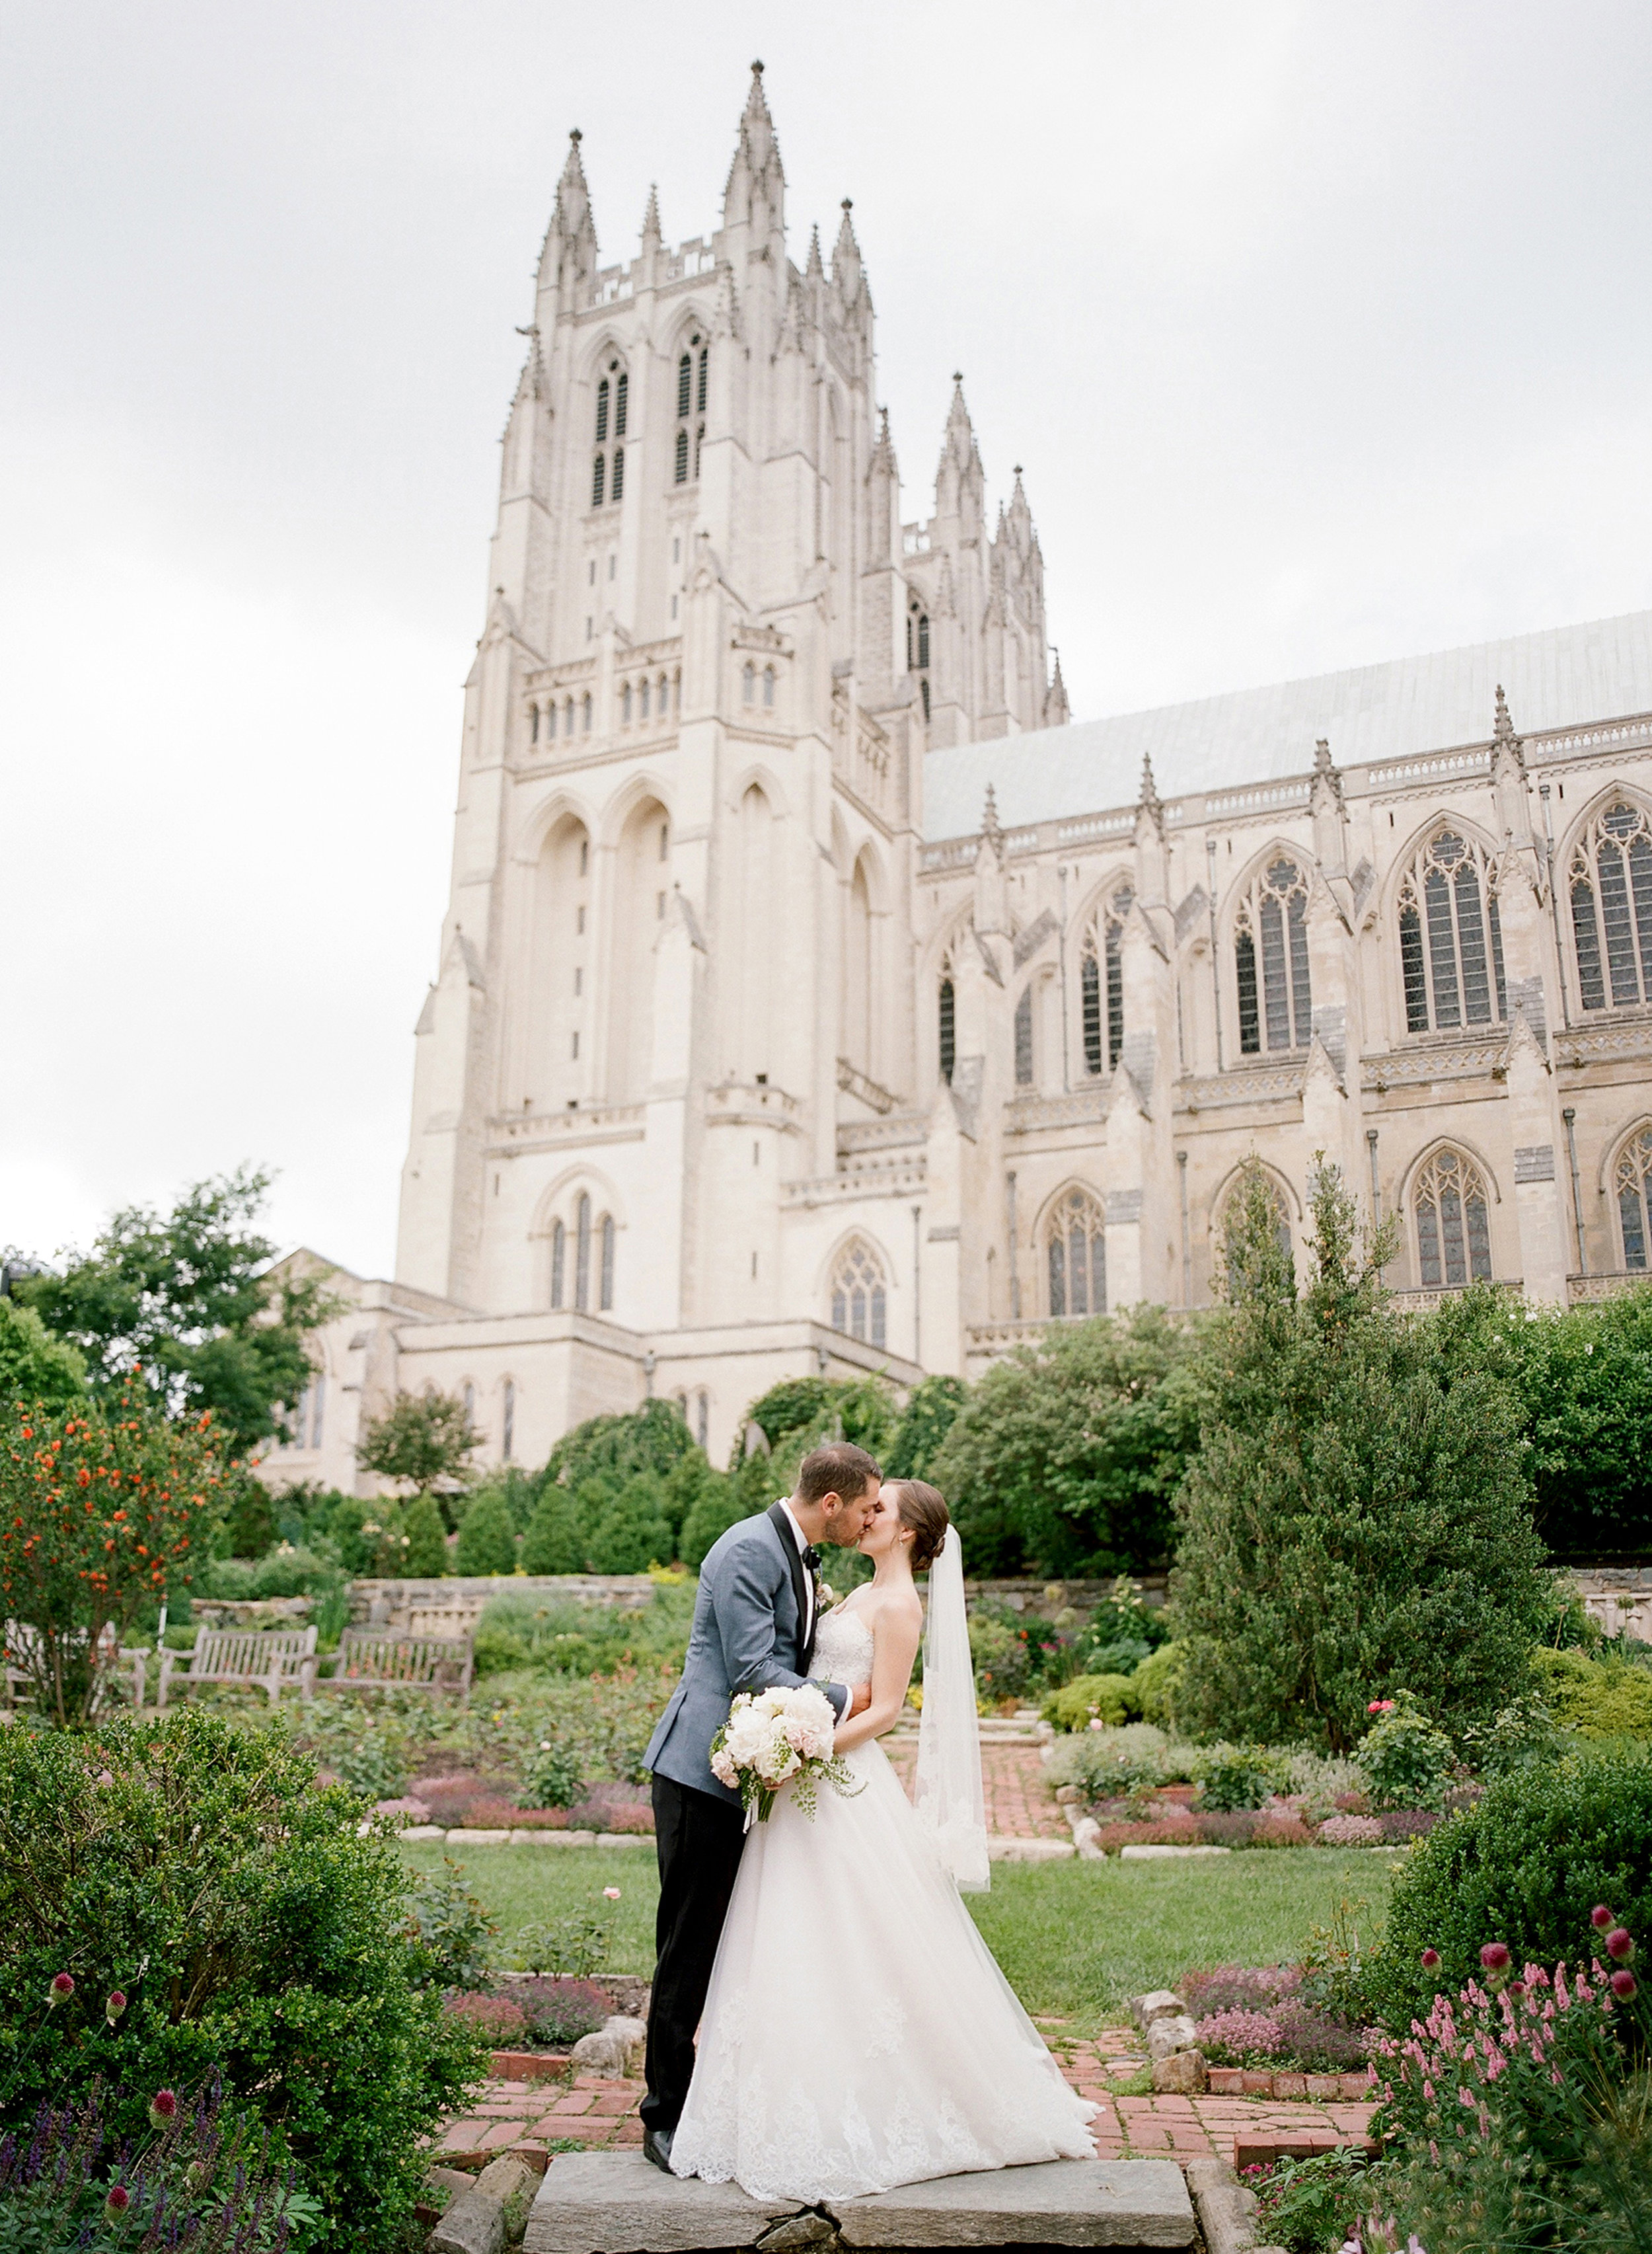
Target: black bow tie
812 1558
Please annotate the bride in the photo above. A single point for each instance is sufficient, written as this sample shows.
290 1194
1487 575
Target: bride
858 2033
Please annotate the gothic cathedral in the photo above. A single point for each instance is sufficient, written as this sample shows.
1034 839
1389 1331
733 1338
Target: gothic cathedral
814 995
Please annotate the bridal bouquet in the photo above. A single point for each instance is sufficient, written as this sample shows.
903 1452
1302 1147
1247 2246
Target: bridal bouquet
779 1737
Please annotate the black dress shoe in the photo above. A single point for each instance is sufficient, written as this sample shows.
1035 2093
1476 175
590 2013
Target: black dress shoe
657 2147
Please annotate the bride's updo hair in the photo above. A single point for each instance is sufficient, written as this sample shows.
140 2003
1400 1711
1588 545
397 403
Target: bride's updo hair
924 1515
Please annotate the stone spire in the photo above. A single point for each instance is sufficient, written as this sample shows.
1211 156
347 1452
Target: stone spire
1330 816
754 195
568 255
960 474
990 830
815 270
848 275
1057 711
651 237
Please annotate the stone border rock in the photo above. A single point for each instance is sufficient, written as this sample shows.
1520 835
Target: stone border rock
1173 2046
1316 2089
540 1837
1226 2209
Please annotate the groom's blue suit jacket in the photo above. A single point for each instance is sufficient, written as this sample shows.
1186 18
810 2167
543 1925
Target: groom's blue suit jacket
746 1635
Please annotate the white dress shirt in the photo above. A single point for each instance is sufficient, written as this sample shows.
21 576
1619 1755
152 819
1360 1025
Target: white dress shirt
808 1577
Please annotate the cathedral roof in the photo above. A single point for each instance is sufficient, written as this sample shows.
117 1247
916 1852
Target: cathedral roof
1567 676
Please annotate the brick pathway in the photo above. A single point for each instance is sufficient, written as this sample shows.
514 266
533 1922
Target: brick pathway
594 2114
1019 1804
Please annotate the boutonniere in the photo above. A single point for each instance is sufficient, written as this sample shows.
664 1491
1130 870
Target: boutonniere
824 1592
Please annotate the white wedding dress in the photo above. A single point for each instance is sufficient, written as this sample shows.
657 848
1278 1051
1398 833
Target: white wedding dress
858 2033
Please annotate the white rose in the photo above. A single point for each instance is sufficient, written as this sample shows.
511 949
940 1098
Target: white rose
724 1770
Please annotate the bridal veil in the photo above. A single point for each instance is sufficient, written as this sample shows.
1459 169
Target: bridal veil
949 1799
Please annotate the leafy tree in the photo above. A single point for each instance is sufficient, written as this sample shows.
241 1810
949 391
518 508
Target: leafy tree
1357 1522
1064 1458
424 1442
427 1538
35 1366
812 1410
654 1439
187 1300
487 1539
1582 1376
930 1412
99 1509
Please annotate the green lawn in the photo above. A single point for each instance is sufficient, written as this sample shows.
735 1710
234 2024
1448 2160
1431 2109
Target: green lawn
1076 1939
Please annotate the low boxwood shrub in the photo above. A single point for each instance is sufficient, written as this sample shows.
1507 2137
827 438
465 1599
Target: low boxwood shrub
1597 1699
1110 1699
197 1867
1525 1865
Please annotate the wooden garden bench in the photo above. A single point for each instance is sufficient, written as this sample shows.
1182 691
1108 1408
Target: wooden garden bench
388 1658
18 1684
271 1658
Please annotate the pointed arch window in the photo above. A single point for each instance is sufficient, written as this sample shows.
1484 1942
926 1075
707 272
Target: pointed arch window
602 411
605 1281
508 1449
584 714
1450 937
550 721
1024 1038
1453 1234
616 491
621 387
1611 878
924 692
917 639
582 1253
1269 950
859 1301
1101 978
599 473
947 1026
1634 1184
749 683
1232 1207
559 1262
1076 1255
691 401
625 705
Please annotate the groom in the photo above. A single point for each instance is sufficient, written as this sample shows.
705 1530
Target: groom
754 1626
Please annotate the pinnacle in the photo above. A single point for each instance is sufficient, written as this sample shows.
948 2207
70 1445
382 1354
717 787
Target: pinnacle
989 817
816 268
1149 788
1503 727
650 215
1322 755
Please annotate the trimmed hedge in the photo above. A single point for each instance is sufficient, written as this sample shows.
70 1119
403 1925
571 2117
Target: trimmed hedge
1525 1865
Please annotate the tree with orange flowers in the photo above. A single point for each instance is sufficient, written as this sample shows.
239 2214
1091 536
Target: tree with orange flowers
99 1510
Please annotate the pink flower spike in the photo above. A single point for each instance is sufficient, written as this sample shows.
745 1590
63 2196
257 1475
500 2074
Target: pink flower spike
1495 1958
1620 1945
61 1989
1600 1916
1624 1985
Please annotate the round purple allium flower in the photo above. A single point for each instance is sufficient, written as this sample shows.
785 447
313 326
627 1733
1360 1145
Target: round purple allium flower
1495 1958
61 1989
1620 1945
1430 1959
1624 1985
163 2109
115 2006
1600 1916
117 2202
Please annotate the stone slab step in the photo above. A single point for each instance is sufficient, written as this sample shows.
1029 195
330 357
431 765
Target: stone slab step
1056 2203
616 2203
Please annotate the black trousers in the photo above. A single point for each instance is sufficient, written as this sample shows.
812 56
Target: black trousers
698 1839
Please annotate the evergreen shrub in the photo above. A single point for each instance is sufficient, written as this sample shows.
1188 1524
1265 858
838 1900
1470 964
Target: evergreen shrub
487 1539
1596 1698
1110 1699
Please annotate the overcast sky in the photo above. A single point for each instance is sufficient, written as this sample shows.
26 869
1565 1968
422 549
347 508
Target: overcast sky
1322 331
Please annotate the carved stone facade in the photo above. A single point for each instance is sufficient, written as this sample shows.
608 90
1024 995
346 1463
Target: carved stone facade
812 995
